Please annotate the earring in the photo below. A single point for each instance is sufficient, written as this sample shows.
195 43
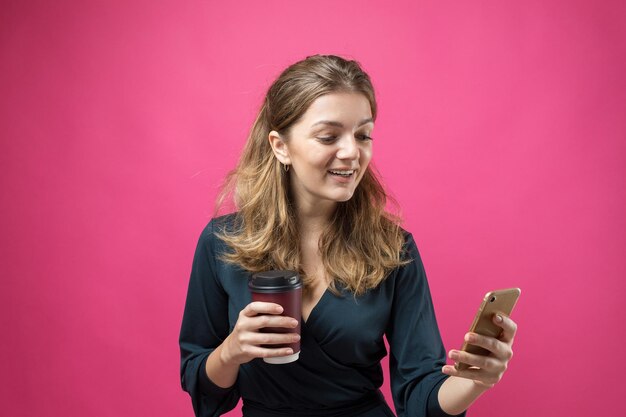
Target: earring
286 167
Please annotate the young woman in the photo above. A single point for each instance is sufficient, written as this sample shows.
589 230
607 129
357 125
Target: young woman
308 200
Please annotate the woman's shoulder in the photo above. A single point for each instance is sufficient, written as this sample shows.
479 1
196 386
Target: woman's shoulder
219 224
225 222
408 237
409 247
405 233
215 227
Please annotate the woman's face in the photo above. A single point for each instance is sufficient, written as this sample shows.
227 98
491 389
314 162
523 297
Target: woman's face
328 149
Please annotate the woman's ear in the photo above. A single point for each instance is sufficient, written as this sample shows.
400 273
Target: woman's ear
279 147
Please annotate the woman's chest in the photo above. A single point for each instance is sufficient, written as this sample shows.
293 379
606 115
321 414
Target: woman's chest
347 328
350 328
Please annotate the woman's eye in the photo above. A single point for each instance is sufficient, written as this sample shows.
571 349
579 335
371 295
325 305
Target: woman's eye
333 138
327 139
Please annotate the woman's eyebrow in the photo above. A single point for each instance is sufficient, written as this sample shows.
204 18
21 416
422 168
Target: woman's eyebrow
339 124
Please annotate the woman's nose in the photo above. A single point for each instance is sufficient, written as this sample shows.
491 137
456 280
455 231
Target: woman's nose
348 148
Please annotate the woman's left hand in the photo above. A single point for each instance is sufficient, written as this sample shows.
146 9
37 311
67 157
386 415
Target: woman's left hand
486 371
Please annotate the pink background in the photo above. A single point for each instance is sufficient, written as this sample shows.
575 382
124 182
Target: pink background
502 133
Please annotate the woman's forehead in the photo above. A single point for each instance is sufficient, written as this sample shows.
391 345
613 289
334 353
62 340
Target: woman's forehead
338 109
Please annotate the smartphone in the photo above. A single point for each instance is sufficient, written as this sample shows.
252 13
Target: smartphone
499 301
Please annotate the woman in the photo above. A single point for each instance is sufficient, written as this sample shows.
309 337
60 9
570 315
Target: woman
308 200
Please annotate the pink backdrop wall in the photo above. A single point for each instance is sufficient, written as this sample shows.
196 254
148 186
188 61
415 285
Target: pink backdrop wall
502 133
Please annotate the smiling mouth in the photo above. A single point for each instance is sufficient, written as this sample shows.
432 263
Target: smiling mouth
342 173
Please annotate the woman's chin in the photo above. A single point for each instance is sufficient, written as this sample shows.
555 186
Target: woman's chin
344 196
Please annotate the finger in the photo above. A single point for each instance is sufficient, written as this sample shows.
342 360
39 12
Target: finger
262 321
493 345
261 307
261 352
509 327
483 362
477 375
261 339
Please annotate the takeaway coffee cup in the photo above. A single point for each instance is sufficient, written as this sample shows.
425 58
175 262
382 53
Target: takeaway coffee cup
283 288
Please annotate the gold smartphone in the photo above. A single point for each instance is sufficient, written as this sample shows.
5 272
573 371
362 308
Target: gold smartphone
499 301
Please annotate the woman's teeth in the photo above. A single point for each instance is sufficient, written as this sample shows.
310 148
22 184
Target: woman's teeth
342 173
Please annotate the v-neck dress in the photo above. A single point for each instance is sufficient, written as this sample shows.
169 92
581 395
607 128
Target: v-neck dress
338 373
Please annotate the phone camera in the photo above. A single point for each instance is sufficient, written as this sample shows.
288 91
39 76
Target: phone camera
492 299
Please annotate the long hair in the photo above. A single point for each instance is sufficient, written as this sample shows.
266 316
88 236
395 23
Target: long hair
362 243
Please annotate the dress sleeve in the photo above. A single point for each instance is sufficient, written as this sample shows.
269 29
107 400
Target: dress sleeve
416 350
204 327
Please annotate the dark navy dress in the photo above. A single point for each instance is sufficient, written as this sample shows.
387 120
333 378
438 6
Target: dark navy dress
338 373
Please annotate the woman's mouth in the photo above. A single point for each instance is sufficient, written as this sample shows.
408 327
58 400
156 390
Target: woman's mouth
342 173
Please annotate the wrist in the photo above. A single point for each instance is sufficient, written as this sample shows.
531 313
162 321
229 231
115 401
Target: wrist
456 394
481 387
218 368
224 357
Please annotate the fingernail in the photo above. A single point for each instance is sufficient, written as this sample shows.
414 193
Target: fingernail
454 355
469 337
296 337
499 318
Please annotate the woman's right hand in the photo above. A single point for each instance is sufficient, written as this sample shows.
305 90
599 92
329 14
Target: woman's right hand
245 342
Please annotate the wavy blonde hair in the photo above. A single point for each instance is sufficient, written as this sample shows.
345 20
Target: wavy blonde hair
362 243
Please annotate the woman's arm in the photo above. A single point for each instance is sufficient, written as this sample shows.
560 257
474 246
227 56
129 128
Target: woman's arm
210 354
416 354
243 344
463 387
204 327
222 373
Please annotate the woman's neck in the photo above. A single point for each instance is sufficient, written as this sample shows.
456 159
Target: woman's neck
313 218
